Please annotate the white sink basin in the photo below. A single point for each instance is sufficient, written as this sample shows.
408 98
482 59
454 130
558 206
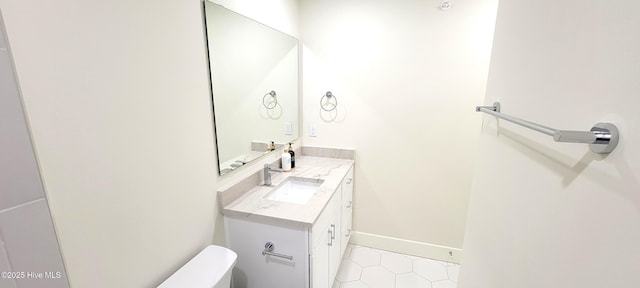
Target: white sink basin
295 190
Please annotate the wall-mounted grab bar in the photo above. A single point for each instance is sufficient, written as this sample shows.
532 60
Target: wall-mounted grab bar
602 138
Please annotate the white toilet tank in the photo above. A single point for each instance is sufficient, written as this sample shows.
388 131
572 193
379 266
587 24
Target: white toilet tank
211 268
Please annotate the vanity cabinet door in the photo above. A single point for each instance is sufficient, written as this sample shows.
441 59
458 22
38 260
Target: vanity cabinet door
332 231
335 247
254 270
326 247
321 238
347 210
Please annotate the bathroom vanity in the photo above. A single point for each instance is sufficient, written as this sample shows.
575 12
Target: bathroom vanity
294 232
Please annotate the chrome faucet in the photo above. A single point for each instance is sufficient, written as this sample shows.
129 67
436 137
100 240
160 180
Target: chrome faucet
267 175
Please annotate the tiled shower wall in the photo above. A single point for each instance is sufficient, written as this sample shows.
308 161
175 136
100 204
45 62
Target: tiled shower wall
29 253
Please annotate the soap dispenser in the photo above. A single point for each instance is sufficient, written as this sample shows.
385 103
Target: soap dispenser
271 147
293 156
286 161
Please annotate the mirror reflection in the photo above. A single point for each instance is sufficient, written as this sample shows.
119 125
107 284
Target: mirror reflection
254 77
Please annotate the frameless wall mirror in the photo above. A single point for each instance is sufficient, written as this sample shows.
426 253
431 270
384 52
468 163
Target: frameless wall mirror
254 79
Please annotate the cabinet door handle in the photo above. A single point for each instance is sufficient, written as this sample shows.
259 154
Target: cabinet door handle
268 250
350 204
333 232
349 180
348 233
330 243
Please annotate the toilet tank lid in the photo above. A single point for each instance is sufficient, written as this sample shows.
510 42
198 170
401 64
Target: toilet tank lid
203 270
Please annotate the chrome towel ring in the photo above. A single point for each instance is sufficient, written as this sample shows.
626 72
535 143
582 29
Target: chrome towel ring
270 104
332 104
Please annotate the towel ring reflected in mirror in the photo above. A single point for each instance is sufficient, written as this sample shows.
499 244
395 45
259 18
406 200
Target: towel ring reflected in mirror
270 103
333 104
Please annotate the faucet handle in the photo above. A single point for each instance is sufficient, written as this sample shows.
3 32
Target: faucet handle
269 167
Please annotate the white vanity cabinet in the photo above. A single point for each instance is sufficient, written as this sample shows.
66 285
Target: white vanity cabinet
316 250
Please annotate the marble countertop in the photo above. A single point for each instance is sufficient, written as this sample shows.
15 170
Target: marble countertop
254 206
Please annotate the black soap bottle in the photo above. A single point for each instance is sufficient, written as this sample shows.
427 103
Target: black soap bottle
293 156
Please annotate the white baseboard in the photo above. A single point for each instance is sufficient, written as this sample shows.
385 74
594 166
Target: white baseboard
420 249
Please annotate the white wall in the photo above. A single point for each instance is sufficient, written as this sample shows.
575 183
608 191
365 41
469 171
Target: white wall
117 94
546 214
407 77
28 242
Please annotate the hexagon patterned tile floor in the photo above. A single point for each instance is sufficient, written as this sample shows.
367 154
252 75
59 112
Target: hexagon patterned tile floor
364 267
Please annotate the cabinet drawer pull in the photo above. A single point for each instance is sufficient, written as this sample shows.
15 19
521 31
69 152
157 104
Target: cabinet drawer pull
350 204
330 243
268 250
349 180
348 233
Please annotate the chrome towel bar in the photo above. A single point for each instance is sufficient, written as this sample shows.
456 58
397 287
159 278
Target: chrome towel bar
268 250
602 138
